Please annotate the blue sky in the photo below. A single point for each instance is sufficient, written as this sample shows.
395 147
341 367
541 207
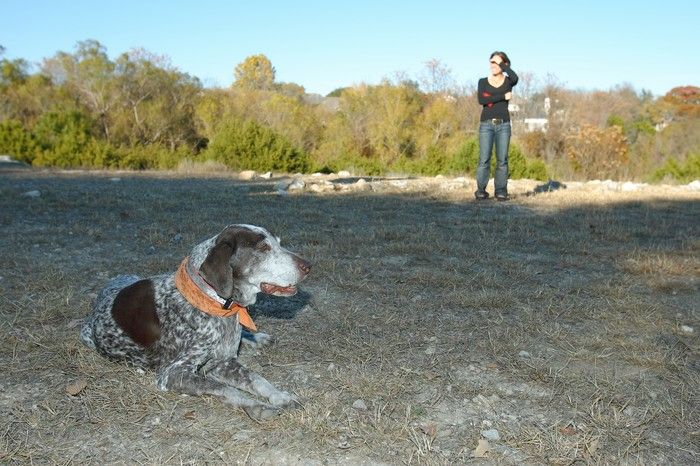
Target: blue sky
323 45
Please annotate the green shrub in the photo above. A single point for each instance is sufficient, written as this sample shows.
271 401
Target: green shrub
684 172
64 140
466 159
16 141
520 166
249 145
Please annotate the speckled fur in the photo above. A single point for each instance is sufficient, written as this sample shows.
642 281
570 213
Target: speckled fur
196 353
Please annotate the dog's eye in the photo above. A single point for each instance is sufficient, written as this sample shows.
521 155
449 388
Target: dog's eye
264 247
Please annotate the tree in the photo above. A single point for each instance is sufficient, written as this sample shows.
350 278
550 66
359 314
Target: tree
157 102
90 74
437 78
255 72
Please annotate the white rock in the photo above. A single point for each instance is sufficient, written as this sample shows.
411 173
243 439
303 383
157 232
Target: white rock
344 174
34 193
694 185
491 434
266 175
296 185
611 185
246 175
360 405
629 186
524 354
403 184
317 174
116 179
282 185
687 329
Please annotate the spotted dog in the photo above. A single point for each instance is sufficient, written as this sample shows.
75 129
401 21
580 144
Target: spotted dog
187 325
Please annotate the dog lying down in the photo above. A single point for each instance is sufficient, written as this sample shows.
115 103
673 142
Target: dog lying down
187 325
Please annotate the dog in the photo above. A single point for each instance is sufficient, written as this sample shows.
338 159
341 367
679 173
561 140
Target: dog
188 325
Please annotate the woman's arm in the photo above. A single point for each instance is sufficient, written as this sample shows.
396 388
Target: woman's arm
511 74
485 97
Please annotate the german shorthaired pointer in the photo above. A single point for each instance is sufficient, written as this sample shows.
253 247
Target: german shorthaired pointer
187 325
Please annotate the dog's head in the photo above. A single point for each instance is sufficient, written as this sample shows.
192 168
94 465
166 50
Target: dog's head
243 260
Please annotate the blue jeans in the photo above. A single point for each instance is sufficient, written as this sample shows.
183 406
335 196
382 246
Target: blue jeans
488 134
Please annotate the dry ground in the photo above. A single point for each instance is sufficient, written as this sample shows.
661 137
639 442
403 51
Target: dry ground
566 321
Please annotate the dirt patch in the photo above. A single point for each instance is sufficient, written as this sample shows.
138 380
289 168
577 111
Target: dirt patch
560 327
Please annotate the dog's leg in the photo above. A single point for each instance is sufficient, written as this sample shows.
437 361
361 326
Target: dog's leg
182 377
231 372
255 340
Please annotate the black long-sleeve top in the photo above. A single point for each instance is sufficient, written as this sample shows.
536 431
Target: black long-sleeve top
493 99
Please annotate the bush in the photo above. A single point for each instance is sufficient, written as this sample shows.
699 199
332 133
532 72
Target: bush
64 140
466 159
597 152
682 172
248 145
16 141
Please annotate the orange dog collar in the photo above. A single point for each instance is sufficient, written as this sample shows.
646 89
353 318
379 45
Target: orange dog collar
205 303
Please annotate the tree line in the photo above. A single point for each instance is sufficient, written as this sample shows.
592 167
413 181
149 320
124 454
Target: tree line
138 111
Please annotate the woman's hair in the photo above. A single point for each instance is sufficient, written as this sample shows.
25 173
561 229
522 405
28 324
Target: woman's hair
503 56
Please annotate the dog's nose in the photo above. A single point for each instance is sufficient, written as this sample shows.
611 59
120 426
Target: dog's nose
303 265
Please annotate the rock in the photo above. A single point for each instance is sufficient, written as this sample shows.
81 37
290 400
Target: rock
694 185
360 405
115 179
8 162
246 175
361 185
491 434
35 193
524 354
177 238
629 186
344 174
322 187
687 329
266 175
401 184
296 185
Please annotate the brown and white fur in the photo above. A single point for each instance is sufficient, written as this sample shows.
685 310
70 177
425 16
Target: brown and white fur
148 323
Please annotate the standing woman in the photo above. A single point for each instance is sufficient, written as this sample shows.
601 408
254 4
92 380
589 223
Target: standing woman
494 92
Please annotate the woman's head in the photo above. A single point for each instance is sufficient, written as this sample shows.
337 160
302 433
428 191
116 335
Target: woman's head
502 55
496 59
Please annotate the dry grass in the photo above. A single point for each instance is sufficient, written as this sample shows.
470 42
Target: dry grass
422 303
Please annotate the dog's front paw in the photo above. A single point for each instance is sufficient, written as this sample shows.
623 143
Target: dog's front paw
285 400
261 412
255 340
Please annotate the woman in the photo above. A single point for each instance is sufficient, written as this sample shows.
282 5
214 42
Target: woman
494 92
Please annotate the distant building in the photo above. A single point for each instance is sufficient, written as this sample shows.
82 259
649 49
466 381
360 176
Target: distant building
536 124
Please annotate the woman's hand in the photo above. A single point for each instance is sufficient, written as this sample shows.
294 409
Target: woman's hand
509 95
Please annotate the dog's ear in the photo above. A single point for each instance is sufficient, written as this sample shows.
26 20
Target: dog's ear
216 268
